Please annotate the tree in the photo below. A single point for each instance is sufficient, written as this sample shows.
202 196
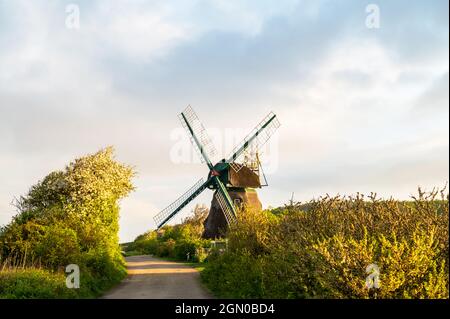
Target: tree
71 215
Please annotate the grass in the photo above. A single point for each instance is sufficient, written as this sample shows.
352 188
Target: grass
33 283
198 266
131 253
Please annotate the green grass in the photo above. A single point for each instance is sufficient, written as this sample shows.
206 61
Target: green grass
198 266
35 283
132 253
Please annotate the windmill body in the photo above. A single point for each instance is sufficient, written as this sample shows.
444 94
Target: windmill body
233 180
241 187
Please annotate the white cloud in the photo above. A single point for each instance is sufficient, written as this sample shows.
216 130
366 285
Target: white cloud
142 32
348 99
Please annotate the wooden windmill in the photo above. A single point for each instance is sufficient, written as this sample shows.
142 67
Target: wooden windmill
233 179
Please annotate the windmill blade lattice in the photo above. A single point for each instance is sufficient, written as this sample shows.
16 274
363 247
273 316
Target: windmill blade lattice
170 211
220 177
207 146
255 139
227 212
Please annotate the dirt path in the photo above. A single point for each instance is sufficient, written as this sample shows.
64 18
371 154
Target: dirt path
152 278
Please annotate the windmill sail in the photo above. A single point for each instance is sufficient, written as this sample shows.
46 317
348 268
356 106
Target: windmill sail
198 135
170 211
224 200
255 139
226 210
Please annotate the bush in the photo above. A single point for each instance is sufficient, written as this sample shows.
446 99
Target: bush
180 242
70 217
234 275
57 246
322 249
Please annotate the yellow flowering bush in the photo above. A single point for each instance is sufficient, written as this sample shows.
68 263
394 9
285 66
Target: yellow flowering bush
322 249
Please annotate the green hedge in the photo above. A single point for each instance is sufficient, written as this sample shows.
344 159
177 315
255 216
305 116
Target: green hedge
322 249
181 242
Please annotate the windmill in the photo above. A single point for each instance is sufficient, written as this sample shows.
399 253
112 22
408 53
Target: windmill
233 179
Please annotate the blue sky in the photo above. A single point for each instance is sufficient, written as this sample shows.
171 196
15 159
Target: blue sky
361 109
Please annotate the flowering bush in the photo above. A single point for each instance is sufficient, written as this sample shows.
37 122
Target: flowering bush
71 217
322 250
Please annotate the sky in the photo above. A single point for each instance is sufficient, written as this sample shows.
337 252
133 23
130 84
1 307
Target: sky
363 106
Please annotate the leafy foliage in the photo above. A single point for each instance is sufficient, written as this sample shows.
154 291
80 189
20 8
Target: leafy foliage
70 217
180 242
34 283
321 250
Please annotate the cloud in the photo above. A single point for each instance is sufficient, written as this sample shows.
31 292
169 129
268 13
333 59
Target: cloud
361 109
435 98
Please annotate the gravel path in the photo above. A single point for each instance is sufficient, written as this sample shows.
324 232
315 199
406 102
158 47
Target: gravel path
152 278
